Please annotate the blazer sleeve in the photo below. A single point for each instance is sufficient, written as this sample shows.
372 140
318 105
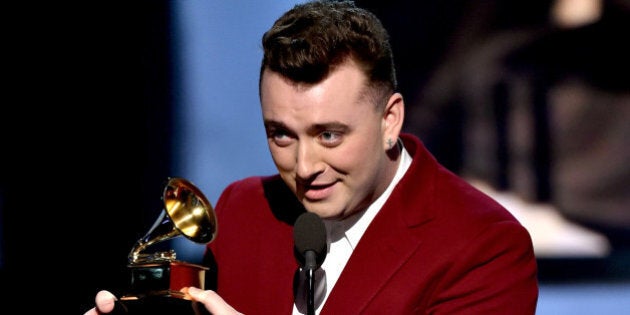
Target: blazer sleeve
495 274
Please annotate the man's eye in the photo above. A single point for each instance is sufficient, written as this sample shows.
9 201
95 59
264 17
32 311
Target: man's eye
330 138
279 137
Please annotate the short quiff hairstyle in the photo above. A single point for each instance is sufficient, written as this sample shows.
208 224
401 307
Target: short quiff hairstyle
307 42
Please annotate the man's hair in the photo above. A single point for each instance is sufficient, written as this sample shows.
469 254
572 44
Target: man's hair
307 42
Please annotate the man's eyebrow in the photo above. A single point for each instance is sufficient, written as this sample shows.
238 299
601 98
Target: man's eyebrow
331 125
274 124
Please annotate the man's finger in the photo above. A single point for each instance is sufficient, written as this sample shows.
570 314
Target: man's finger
105 301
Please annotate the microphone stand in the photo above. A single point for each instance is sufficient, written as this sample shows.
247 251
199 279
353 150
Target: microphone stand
310 266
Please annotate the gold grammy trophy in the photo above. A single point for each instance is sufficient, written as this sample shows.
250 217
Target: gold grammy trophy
156 278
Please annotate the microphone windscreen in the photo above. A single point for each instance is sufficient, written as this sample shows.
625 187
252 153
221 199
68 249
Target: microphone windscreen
309 234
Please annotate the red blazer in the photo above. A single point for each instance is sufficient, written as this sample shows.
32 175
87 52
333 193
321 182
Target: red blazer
438 246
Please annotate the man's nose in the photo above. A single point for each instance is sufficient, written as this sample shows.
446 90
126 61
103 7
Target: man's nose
308 161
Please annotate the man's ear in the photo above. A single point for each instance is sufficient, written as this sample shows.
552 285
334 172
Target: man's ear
393 117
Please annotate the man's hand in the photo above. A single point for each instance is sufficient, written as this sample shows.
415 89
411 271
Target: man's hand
105 302
211 300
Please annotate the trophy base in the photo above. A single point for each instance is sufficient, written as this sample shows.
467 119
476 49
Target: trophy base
155 288
162 305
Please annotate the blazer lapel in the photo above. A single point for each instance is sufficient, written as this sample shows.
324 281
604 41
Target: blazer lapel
378 255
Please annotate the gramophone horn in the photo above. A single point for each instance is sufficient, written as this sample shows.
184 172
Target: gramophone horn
187 212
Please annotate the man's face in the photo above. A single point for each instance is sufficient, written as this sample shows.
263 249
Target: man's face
327 140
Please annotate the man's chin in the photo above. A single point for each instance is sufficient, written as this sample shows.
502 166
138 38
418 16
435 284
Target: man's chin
323 210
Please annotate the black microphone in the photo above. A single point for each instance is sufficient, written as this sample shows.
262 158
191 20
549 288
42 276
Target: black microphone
309 235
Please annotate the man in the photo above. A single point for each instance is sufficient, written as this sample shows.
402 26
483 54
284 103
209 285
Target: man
405 235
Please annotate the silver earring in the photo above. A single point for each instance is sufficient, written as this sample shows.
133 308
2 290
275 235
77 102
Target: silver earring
390 143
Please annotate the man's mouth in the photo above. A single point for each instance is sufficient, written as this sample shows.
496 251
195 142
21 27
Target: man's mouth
318 192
